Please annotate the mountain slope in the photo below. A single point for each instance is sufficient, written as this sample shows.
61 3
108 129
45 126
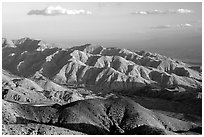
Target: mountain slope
115 115
95 66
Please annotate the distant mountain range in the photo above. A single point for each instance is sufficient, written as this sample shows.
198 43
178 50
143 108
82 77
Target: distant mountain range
38 74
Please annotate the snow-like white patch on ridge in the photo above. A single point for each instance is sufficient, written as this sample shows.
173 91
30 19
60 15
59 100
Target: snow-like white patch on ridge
43 46
49 58
12 54
19 64
24 52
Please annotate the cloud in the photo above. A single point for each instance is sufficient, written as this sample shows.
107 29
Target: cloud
185 25
172 26
183 11
58 10
156 11
161 27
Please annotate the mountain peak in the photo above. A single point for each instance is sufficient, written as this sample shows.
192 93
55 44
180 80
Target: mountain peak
22 40
89 48
7 43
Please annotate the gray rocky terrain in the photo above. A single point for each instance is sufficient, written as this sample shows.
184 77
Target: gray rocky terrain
91 89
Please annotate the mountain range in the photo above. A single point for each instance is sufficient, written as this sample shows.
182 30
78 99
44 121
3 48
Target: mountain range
112 90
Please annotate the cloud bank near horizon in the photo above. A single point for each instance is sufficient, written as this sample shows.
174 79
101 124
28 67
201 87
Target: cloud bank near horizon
170 11
58 10
185 25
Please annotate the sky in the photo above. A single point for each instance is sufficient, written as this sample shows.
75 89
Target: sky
172 29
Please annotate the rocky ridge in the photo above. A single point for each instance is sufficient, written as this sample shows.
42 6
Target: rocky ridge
107 68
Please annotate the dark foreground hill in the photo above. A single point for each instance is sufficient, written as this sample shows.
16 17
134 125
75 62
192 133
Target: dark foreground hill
115 115
95 90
